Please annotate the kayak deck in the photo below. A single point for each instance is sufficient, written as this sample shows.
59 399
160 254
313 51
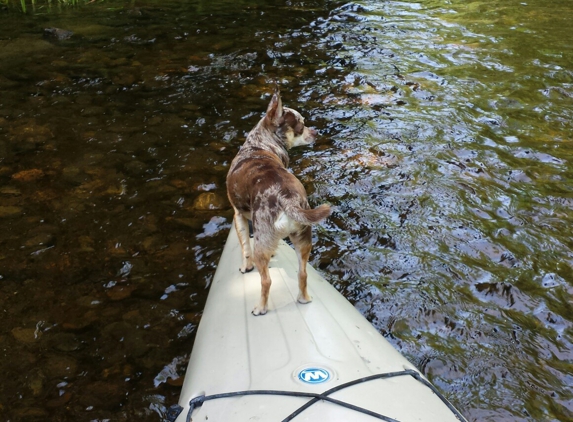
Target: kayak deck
309 349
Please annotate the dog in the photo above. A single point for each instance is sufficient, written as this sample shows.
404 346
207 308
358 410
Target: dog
261 189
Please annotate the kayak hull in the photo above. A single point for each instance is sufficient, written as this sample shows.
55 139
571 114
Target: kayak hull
304 348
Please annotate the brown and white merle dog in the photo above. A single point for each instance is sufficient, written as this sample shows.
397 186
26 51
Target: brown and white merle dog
262 190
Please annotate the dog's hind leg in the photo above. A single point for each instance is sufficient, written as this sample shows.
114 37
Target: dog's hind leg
262 260
242 227
302 242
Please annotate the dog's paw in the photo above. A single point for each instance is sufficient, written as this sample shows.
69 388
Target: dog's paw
257 310
246 270
304 299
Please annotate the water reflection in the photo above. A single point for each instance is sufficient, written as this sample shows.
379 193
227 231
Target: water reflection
464 235
445 128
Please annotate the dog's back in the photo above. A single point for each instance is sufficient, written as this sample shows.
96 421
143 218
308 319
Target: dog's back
259 182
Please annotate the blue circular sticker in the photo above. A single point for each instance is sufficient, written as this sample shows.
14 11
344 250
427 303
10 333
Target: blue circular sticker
314 375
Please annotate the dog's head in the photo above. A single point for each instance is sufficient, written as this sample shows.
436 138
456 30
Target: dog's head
288 124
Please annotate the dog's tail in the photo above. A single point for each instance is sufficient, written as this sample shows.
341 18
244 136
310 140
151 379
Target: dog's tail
308 216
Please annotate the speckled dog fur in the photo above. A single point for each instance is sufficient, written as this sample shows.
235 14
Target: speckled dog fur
262 190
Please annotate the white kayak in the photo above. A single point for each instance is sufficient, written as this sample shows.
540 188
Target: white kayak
321 361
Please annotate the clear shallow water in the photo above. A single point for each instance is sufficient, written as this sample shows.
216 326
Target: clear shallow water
445 146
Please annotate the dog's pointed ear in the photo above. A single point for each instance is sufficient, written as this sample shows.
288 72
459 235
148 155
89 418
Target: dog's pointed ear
275 109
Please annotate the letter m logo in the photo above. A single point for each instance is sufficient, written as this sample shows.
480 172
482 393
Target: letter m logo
314 375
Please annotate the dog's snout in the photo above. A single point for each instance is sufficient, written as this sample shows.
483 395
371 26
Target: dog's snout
309 136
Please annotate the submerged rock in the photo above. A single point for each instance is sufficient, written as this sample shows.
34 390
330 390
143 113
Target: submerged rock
26 335
192 223
30 414
30 131
41 239
120 292
58 33
85 321
86 244
103 394
61 400
92 31
24 45
209 201
36 383
135 168
58 366
10 211
10 191
6 83
28 175
65 342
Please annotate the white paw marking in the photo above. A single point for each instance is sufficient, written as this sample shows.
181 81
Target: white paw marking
302 299
257 310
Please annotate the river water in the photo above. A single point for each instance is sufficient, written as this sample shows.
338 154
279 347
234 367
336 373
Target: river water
445 147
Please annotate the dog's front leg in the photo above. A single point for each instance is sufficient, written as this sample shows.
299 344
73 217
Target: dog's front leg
242 227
